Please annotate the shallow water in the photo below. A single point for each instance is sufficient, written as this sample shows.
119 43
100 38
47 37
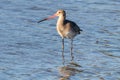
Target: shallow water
32 51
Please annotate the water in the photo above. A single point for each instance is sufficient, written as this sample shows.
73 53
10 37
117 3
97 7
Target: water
32 51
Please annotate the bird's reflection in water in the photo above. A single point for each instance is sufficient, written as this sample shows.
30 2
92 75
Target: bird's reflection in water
63 57
68 70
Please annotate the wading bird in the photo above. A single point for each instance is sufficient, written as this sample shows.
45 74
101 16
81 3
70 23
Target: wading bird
66 28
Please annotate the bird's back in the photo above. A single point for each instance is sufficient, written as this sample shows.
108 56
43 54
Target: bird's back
74 27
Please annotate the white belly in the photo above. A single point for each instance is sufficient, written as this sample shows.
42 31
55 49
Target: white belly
66 34
70 35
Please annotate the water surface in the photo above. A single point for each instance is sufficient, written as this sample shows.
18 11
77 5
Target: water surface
32 51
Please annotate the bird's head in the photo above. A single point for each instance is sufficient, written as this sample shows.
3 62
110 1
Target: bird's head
58 13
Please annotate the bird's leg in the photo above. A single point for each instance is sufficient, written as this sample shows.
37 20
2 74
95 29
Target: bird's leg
71 50
63 44
63 50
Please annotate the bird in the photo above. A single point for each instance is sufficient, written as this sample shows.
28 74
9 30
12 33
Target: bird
65 28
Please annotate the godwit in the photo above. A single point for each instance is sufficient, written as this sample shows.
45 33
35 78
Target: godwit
66 28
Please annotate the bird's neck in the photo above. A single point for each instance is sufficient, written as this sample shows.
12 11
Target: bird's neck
60 21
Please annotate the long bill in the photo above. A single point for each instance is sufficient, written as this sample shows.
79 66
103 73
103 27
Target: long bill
50 17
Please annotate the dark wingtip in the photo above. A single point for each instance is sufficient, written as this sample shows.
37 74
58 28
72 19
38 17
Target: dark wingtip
81 30
42 20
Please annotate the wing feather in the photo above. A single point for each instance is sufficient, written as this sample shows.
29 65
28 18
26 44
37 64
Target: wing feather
75 27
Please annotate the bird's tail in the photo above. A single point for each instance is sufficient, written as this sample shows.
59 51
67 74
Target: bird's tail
80 31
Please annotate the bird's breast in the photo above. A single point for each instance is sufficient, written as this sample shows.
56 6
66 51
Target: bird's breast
60 31
65 33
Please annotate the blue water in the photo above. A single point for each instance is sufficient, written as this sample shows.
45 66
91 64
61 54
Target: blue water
32 51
